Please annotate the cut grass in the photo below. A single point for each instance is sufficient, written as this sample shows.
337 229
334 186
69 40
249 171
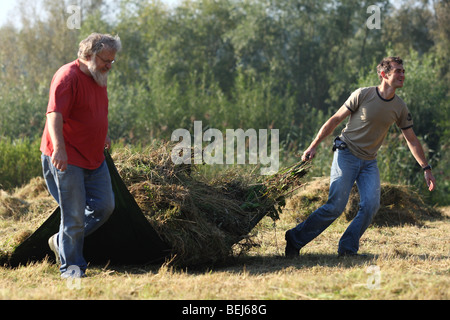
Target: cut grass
411 257
413 263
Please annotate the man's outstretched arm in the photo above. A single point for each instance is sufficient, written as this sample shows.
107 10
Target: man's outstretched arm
325 131
416 149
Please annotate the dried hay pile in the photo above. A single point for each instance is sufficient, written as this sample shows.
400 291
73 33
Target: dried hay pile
22 210
20 202
201 220
399 205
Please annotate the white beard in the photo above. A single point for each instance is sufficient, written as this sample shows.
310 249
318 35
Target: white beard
99 77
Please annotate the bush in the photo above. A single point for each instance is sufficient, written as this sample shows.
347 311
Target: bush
19 162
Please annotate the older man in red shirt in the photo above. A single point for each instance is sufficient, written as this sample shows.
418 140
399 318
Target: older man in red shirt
72 146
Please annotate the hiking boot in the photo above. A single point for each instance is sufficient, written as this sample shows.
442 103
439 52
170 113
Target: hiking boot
53 244
290 251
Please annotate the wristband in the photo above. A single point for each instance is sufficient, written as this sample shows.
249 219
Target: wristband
428 167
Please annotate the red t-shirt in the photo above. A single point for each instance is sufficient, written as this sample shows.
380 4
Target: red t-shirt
84 107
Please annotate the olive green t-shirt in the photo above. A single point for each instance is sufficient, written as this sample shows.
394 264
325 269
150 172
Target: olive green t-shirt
370 119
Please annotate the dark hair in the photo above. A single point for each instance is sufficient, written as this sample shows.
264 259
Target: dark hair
385 65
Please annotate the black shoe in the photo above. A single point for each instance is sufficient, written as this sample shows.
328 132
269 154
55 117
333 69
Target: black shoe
290 251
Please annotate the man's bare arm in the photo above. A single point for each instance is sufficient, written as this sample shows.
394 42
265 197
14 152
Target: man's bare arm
416 149
55 129
325 131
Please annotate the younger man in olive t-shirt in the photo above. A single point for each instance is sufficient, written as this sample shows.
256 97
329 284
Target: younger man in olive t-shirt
370 119
372 111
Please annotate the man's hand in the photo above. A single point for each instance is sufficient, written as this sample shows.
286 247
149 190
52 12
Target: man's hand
430 180
107 143
59 159
309 154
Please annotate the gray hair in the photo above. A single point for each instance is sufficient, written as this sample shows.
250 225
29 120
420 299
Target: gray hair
96 42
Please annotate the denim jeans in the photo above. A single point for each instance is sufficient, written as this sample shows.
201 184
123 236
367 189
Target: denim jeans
86 200
345 170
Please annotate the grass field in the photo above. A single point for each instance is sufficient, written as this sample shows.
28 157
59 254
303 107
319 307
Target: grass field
404 262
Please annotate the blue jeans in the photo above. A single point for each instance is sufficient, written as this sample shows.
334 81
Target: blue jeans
345 170
86 200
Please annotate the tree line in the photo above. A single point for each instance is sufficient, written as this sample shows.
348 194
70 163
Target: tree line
284 64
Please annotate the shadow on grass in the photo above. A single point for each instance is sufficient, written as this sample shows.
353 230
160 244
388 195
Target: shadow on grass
256 265
269 264
260 265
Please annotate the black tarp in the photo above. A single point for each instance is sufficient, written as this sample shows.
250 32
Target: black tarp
126 238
